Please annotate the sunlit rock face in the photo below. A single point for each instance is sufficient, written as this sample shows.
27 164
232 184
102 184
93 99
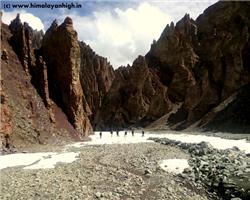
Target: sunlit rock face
62 54
24 40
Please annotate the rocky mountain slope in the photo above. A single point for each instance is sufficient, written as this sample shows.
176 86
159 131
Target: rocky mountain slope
55 86
215 66
195 64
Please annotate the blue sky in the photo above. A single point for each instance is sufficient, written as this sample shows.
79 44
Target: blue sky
118 30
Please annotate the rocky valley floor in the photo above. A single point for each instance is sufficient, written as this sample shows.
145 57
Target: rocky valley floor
105 172
115 171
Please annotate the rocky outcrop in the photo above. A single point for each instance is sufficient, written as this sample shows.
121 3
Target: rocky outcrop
1 29
128 99
159 105
24 41
31 122
209 62
5 55
224 172
18 42
62 54
174 58
40 80
6 120
222 48
96 77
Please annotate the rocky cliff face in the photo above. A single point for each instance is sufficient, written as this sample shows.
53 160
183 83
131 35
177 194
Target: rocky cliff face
6 120
210 61
175 69
1 28
234 117
96 77
25 119
62 54
196 63
65 72
129 97
24 41
18 41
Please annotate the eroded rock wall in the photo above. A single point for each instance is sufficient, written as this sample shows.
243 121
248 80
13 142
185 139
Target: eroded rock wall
18 41
62 55
96 77
1 28
210 60
6 120
129 97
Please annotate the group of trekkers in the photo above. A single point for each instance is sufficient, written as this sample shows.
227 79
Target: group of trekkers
125 134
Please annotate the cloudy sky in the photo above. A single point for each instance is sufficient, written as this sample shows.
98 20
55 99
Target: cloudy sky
118 30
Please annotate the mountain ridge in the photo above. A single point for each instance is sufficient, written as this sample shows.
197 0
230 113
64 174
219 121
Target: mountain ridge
193 67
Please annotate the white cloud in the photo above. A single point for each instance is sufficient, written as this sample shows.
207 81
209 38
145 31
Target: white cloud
117 33
33 21
121 31
121 35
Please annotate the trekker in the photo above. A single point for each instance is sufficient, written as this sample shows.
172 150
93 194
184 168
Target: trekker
117 133
100 135
111 132
125 135
142 133
132 133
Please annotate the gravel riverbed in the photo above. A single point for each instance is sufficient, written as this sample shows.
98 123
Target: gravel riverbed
117 171
132 171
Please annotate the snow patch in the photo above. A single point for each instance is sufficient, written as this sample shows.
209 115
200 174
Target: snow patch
174 165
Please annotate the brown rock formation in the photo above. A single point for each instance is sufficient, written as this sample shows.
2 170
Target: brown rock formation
174 69
5 55
1 24
223 67
192 68
31 120
40 80
24 41
159 105
62 54
209 62
234 117
18 41
30 53
128 99
96 76
6 120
